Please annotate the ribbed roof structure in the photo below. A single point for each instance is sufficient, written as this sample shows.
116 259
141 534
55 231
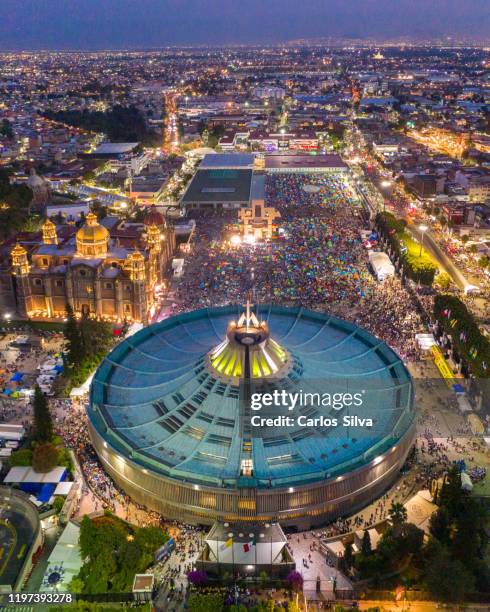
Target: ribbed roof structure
172 398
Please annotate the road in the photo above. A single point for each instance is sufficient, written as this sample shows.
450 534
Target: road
442 259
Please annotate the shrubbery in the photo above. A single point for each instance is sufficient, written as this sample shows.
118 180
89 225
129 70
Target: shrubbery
114 552
418 267
88 341
458 323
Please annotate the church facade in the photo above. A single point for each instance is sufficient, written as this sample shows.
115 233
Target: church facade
112 270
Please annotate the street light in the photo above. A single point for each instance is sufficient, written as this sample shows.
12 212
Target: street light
423 229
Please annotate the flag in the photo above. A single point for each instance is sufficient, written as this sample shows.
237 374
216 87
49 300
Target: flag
247 547
227 544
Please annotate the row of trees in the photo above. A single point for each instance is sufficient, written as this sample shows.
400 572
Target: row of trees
450 564
87 342
113 552
400 543
15 203
455 553
460 325
418 266
120 123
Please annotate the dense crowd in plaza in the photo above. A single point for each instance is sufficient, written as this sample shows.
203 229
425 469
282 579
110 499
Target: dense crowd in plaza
317 261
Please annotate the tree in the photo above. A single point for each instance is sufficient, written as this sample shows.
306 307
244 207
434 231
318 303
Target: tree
484 262
96 336
295 580
58 503
16 200
439 525
451 494
348 556
397 513
211 602
197 577
151 538
120 123
443 280
44 457
113 553
458 323
43 424
21 458
6 129
469 541
366 543
447 579
73 338
76 586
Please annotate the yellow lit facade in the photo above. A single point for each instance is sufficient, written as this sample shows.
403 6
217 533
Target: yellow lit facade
111 275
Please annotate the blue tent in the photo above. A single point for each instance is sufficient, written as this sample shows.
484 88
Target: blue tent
16 377
457 388
46 491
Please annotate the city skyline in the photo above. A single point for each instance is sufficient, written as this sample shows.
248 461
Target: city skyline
124 24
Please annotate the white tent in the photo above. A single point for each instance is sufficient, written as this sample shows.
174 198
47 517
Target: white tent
466 483
425 341
83 389
381 265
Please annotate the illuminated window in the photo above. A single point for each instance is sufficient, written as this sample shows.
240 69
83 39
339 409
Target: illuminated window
247 467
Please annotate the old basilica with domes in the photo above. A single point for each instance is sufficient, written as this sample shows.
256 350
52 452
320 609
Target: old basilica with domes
111 269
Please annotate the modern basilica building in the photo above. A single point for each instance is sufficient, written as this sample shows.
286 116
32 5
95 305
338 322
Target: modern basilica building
172 419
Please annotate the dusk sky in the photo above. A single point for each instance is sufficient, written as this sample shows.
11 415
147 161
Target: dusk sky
105 24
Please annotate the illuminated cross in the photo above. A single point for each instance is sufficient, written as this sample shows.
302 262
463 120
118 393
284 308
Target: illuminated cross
248 312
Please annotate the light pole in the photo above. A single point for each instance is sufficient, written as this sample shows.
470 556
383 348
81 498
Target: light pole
422 229
385 184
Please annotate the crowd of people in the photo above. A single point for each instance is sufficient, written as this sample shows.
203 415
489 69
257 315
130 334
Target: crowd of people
73 428
316 260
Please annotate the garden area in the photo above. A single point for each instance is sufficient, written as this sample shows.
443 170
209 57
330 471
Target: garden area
448 566
87 343
113 552
418 264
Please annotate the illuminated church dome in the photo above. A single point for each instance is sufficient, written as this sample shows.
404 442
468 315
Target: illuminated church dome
92 238
248 351
154 217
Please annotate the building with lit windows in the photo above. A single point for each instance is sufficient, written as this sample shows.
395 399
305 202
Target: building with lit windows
170 416
111 270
